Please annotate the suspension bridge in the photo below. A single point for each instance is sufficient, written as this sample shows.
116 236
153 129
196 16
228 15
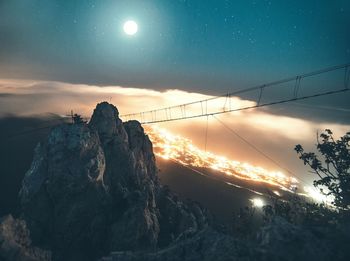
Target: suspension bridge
228 102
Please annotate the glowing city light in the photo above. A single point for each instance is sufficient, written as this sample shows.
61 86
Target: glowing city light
174 147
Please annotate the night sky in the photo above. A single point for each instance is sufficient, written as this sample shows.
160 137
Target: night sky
208 46
63 55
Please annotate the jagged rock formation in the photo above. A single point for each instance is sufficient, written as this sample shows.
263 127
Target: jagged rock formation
15 243
93 188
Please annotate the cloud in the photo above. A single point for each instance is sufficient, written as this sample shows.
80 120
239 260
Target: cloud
274 134
26 97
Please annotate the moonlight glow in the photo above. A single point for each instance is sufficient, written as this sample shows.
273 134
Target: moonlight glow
130 27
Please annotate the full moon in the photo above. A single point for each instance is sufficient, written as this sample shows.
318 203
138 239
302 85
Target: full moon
130 27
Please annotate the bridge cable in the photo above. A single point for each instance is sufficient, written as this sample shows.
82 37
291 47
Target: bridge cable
206 135
252 145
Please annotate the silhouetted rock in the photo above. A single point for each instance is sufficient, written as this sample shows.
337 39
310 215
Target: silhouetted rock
15 243
93 188
105 120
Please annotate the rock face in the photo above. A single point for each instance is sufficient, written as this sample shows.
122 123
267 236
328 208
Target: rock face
93 188
63 194
15 243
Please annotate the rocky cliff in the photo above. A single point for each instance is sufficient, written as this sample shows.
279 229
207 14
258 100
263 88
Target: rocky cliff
93 188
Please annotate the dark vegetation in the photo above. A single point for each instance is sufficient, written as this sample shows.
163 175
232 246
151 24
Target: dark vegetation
334 173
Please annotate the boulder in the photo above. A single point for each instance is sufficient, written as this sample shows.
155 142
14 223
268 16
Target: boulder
15 243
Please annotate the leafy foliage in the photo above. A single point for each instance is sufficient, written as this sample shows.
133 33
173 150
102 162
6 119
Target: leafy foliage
298 211
77 119
334 170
